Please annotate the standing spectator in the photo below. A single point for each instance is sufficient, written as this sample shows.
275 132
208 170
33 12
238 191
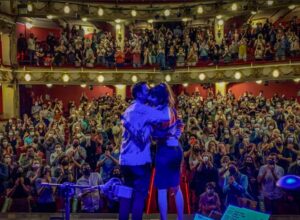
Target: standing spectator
22 46
31 48
108 161
45 202
235 185
136 53
267 177
243 49
119 57
90 198
180 57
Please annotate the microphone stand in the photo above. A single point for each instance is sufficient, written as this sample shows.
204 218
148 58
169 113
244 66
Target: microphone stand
68 190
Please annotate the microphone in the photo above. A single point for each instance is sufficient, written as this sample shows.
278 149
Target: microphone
114 189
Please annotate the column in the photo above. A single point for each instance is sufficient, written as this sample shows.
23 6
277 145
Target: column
221 88
219 30
5 41
121 90
10 99
120 35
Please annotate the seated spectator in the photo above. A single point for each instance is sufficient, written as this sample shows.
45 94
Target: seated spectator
90 198
48 60
268 55
209 201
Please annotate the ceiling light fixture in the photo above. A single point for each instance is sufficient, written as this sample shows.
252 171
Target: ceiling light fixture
67 8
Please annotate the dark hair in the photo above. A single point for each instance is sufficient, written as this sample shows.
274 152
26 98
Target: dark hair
136 88
211 185
163 93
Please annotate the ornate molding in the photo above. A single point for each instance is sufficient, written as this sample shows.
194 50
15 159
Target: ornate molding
188 75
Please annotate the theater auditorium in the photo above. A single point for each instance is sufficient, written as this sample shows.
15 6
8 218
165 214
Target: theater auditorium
72 74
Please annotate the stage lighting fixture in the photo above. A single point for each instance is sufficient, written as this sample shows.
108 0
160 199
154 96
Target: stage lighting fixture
276 73
202 76
50 17
118 21
259 81
134 78
83 85
29 7
168 78
237 75
292 7
289 182
270 2
100 11
167 12
150 21
200 10
65 78
49 85
234 7
133 13
185 84
67 8
27 77
100 78
253 12
219 16
84 19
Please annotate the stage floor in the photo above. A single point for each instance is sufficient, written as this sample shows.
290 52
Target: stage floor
103 216
77 216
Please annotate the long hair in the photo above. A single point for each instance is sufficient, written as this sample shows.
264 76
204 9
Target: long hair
164 94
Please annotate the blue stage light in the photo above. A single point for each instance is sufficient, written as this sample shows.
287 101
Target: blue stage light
289 182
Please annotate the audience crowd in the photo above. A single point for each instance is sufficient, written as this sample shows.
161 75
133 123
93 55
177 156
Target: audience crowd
163 46
235 149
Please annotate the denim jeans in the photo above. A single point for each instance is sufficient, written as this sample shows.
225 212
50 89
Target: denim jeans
161 60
